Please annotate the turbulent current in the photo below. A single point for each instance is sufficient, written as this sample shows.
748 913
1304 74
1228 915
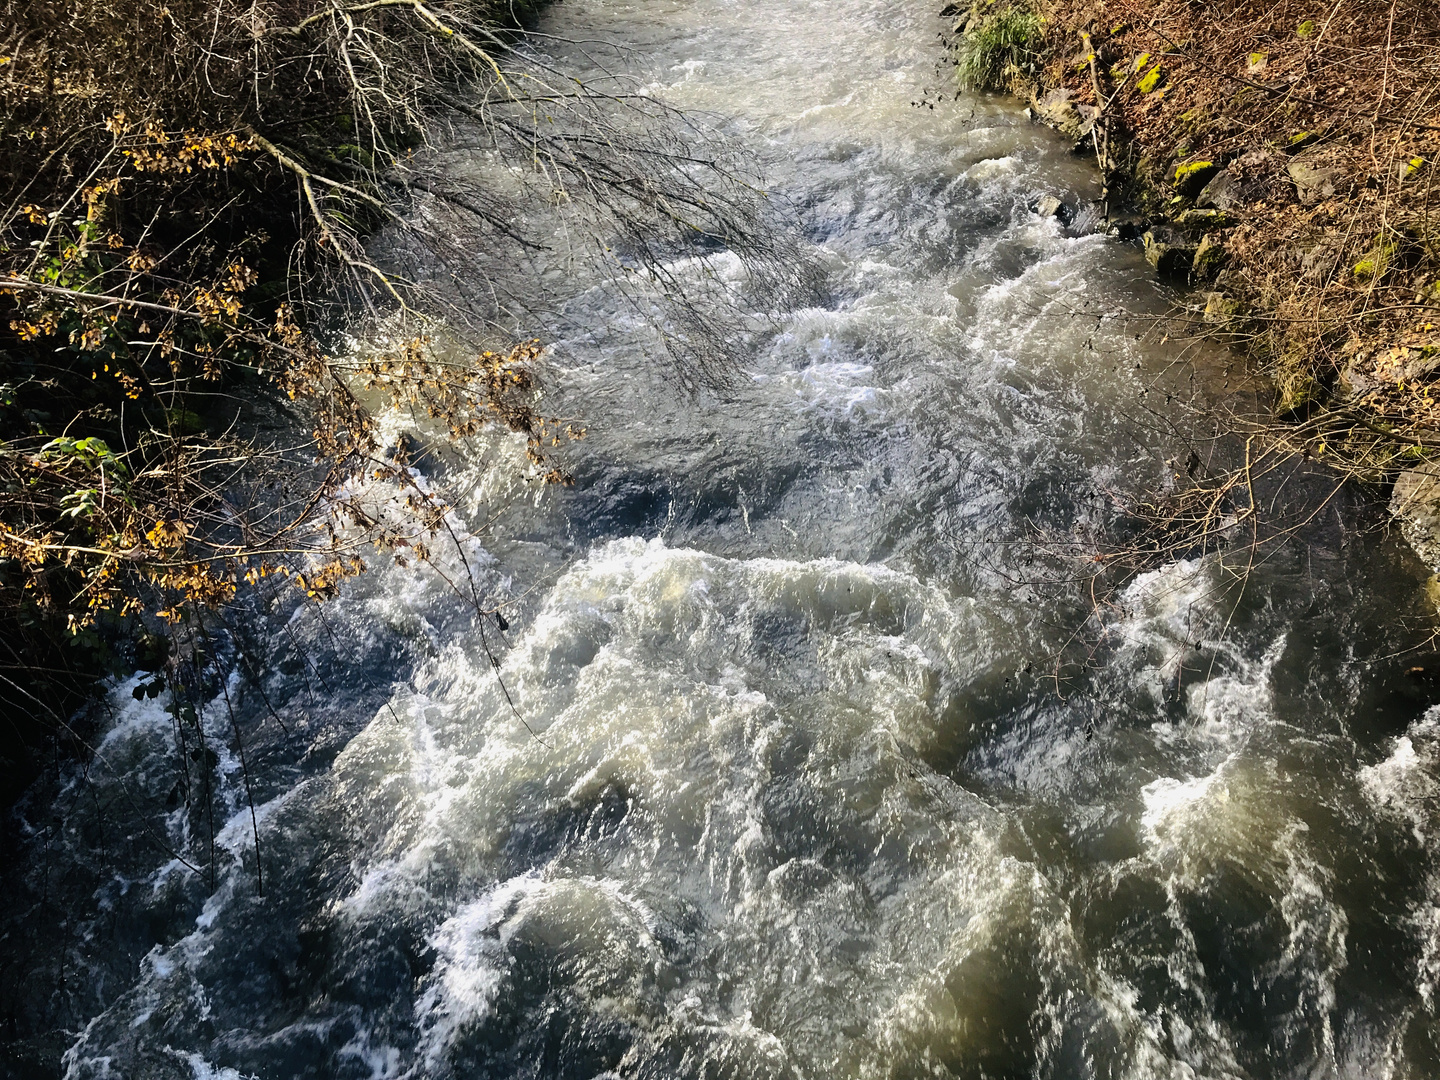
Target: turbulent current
792 785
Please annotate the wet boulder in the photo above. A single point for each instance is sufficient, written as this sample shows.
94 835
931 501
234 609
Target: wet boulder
1050 206
1415 505
1209 258
1169 251
1126 226
1068 117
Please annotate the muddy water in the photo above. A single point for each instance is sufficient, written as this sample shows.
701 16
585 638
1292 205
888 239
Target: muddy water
795 794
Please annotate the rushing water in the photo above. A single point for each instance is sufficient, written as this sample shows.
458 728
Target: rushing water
794 794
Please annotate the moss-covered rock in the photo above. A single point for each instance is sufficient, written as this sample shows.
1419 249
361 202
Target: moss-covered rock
1376 262
1171 253
1223 312
1200 219
1209 258
1410 168
1057 110
1151 79
1189 178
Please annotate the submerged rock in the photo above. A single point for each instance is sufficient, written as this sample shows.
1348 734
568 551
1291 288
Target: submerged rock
1126 227
1087 218
1050 206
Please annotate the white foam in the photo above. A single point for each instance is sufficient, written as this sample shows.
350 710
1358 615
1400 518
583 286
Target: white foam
201 1069
993 168
1171 805
471 964
1407 783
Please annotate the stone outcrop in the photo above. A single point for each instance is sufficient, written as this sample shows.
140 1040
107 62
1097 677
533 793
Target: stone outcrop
1415 504
1317 175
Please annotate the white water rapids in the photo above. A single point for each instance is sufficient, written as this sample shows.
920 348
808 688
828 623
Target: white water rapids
794 795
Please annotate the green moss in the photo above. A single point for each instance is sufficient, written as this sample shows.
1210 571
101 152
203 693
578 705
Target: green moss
1222 311
1306 28
1206 219
1377 262
1140 61
1189 178
1182 172
1256 59
1209 258
1169 254
1150 80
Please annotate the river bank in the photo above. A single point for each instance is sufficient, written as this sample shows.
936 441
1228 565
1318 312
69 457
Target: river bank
1276 161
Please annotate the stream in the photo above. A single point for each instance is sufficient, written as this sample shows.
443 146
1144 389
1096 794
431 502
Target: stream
792 786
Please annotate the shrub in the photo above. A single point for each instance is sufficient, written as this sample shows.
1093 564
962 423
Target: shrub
1004 44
